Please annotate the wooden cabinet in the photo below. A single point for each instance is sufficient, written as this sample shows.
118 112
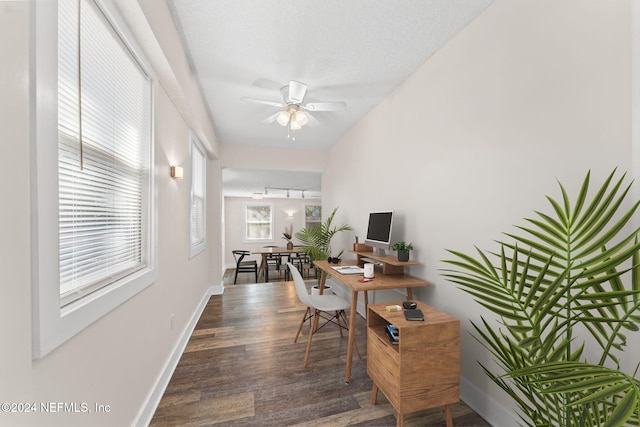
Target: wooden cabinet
423 370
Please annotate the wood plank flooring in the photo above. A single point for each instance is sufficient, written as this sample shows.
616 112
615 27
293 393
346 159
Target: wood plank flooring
241 368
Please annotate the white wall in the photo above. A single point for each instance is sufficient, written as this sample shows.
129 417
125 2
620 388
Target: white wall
15 311
120 359
256 157
475 139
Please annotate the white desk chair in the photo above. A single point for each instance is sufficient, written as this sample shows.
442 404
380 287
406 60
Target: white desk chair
330 307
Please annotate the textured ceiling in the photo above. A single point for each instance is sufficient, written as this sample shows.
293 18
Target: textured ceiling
357 51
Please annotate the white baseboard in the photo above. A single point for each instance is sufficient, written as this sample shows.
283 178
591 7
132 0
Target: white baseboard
153 400
489 409
217 290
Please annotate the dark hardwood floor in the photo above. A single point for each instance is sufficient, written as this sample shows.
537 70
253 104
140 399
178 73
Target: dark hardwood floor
241 368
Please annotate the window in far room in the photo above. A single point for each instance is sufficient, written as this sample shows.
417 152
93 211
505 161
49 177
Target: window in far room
312 216
258 222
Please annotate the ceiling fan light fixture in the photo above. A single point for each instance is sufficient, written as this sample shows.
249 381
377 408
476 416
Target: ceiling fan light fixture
301 117
295 125
293 101
283 117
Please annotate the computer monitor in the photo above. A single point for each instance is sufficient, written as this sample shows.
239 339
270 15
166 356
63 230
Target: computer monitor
379 230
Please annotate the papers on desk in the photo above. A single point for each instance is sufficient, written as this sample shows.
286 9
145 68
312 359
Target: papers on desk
349 269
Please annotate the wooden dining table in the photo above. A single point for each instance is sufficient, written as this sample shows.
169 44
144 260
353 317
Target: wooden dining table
265 252
356 284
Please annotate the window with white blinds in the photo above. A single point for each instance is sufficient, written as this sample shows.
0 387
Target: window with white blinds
104 153
198 203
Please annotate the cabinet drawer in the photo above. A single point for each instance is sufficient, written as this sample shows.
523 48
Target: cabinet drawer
383 364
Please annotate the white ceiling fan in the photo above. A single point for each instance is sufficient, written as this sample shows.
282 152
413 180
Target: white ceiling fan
294 113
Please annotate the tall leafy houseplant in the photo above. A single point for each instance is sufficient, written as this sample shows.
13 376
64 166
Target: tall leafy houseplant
566 289
316 241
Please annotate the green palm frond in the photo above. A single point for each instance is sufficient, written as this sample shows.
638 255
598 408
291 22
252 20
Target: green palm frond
576 266
316 241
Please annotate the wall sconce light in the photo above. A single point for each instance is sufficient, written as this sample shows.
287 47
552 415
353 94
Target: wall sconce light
176 172
290 215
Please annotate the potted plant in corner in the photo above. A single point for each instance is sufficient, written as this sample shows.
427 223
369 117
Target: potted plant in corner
566 292
403 249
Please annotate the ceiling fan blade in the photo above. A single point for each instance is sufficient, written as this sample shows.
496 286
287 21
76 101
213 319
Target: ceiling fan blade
272 118
313 122
264 101
325 106
297 91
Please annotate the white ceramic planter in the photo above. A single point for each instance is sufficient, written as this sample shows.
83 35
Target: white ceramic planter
315 290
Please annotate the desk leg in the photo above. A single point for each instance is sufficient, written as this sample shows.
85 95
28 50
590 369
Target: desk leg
409 294
352 335
323 279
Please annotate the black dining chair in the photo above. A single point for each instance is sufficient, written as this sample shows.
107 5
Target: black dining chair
273 264
302 262
249 266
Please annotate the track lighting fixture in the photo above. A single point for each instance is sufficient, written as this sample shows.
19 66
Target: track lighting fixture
287 191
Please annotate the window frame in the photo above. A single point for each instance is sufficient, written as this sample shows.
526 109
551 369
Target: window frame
52 324
304 217
196 147
271 238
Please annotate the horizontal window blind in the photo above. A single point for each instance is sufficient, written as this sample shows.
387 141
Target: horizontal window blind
104 137
198 189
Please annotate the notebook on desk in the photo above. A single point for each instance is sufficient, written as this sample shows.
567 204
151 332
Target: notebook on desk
349 269
414 314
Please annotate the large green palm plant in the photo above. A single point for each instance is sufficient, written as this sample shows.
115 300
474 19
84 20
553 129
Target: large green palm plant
316 240
566 290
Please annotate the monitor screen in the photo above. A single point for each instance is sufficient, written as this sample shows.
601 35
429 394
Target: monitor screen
379 229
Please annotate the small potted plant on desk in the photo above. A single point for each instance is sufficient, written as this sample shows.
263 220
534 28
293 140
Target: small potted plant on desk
403 249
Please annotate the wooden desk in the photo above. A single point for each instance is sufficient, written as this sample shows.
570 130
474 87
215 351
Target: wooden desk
390 263
271 251
381 281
